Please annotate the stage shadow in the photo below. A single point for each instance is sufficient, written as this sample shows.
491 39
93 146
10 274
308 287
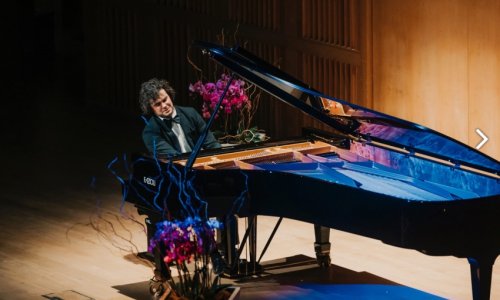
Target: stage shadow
299 277
137 290
139 259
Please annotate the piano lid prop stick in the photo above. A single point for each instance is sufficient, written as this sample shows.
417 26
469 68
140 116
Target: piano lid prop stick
203 136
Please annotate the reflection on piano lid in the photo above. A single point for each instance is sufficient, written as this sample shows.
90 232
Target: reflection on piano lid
397 175
361 123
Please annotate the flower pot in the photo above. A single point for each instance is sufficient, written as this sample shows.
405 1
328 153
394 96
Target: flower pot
229 293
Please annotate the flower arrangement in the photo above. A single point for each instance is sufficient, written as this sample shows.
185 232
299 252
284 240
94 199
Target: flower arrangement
190 246
236 111
236 97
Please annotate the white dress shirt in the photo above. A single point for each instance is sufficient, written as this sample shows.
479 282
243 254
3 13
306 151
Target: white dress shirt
179 133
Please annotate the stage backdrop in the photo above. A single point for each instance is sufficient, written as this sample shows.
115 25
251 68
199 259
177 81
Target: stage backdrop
432 62
438 63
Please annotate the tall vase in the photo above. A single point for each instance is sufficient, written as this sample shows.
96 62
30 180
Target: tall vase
229 293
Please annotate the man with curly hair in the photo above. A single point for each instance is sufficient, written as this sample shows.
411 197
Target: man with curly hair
171 130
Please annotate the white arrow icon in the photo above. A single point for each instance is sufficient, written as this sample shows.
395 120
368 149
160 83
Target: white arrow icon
483 136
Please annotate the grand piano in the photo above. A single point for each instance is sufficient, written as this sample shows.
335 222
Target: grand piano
372 174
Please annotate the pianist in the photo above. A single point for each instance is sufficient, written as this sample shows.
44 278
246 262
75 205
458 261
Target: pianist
171 130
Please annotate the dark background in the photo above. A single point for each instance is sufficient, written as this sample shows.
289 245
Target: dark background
74 69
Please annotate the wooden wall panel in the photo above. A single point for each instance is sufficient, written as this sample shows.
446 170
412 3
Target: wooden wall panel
317 41
484 74
434 63
430 59
196 6
121 56
333 22
260 13
272 112
334 78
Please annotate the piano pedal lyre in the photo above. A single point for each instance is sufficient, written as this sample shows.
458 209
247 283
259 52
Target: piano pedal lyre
236 267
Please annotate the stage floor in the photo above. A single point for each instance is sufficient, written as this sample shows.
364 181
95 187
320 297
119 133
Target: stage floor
64 231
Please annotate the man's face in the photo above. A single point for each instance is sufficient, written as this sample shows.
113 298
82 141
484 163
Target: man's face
162 106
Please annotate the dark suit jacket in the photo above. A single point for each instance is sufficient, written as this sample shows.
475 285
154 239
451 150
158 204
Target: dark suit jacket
161 140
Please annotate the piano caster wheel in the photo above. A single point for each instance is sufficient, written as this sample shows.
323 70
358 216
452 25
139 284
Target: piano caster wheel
324 261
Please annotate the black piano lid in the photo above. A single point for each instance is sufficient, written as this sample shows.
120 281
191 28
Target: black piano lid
354 120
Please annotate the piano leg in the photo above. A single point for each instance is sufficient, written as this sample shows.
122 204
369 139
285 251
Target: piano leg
322 245
150 230
252 240
229 239
480 272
